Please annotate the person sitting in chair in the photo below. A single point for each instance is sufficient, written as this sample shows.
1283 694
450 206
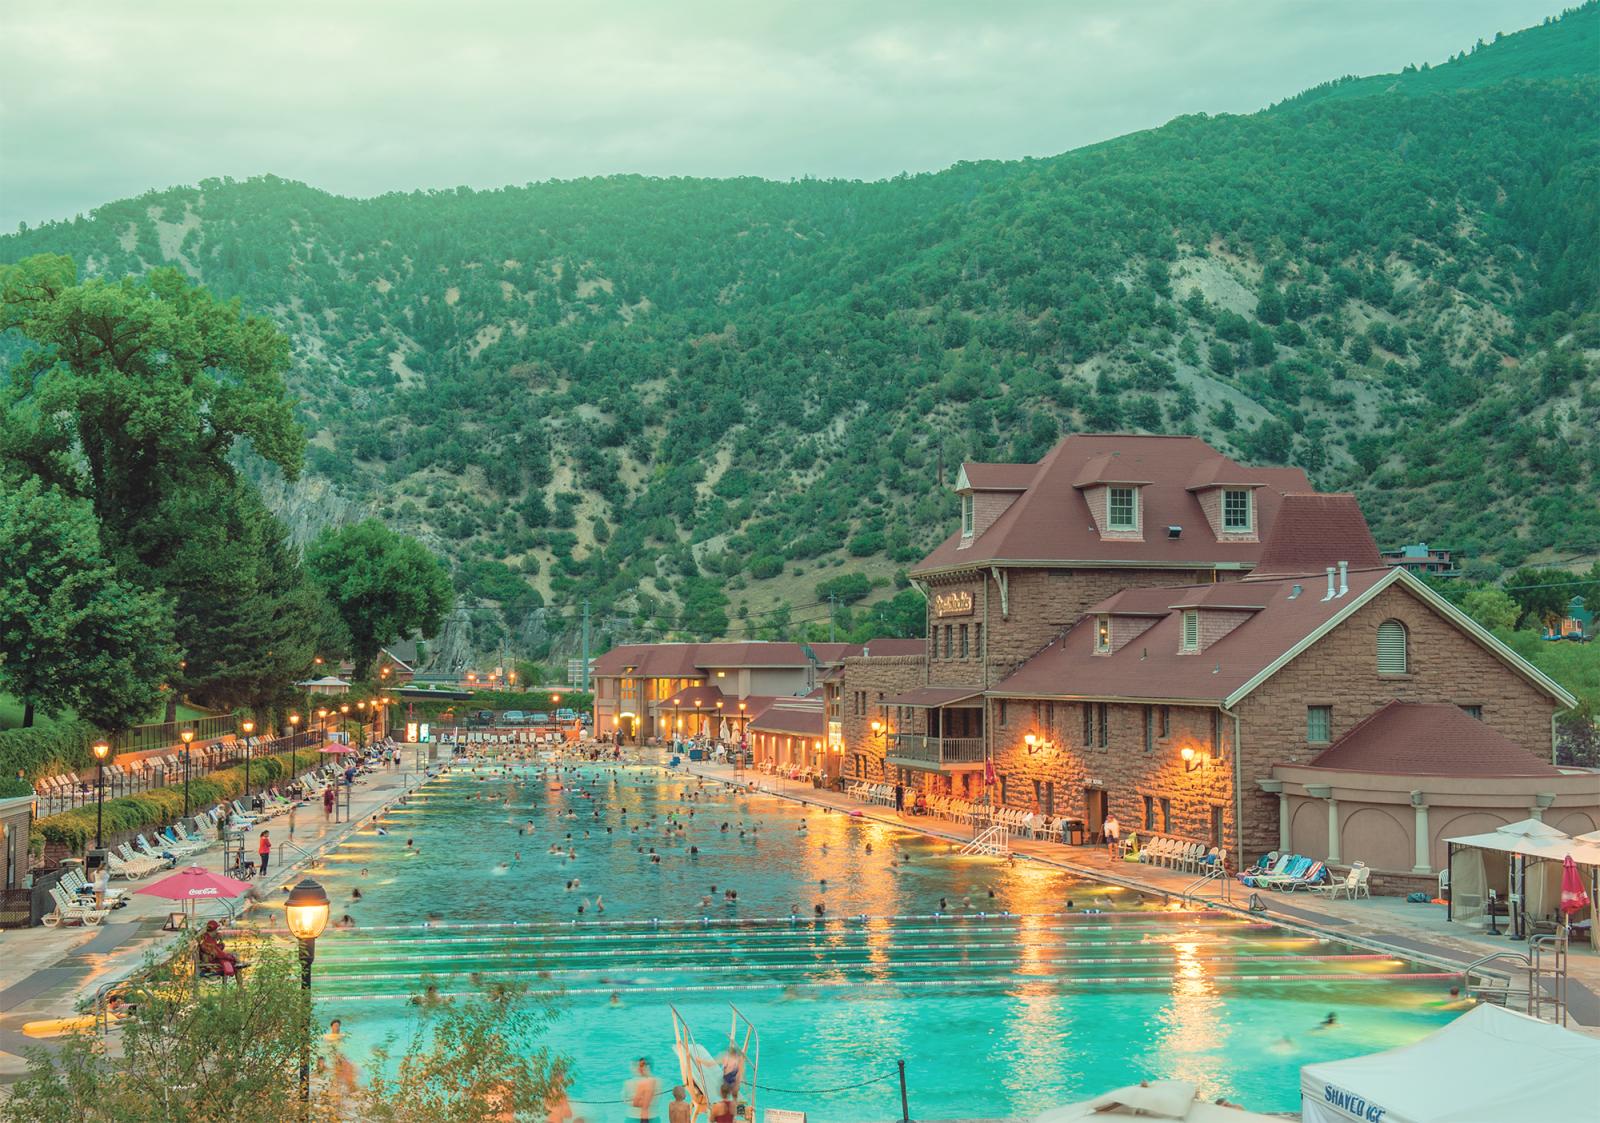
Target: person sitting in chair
215 955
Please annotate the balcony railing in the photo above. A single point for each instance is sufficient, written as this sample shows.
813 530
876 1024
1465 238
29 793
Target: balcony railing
918 748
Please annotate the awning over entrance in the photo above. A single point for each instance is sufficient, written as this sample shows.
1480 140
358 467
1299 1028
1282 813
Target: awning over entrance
931 697
694 698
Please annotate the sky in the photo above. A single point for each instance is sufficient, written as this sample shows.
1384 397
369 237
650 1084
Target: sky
103 99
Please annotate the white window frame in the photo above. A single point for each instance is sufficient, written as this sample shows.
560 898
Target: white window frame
967 515
1189 635
1133 508
1327 725
1249 513
1102 635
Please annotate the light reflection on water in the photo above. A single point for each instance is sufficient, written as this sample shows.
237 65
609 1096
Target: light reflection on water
979 1039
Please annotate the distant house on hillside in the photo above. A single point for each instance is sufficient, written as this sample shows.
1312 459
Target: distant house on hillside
1421 559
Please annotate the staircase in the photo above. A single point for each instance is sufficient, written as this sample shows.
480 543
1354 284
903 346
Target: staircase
995 841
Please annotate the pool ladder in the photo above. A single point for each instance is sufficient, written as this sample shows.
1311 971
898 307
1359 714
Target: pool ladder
994 840
1215 873
1545 962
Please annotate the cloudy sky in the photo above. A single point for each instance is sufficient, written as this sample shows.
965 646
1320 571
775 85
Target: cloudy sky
100 99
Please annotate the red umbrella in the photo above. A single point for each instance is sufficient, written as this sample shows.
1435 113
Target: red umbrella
195 883
333 748
1574 897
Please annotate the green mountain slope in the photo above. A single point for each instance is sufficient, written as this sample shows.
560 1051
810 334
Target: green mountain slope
691 400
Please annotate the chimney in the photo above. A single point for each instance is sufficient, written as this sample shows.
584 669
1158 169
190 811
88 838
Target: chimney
1344 578
1328 596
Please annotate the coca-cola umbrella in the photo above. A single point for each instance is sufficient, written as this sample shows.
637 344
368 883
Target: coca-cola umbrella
195 883
1574 897
334 748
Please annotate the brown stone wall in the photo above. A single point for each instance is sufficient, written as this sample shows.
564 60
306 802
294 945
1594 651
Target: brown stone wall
1215 623
987 506
1123 768
956 671
1341 671
879 677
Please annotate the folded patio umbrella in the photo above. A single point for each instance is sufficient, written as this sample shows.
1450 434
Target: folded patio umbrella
1574 897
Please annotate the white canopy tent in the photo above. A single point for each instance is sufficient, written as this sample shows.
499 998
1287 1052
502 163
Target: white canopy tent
1159 1099
1520 864
1488 1066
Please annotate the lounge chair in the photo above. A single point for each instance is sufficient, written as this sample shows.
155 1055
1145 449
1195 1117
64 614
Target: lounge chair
131 870
68 910
78 885
1280 868
1314 875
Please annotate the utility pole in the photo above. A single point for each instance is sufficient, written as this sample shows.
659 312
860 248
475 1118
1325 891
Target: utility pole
584 673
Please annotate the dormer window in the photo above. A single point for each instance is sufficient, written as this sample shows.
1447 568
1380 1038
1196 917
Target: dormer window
1191 631
1122 508
966 515
1102 635
1236 510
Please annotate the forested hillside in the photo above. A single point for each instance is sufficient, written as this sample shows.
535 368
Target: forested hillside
690 400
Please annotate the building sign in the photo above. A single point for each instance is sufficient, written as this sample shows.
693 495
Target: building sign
958 603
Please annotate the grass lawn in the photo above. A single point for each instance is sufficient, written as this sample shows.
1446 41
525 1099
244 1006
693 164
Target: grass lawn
11 714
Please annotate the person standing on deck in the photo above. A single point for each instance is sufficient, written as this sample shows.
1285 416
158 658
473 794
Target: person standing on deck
1113 834
264 851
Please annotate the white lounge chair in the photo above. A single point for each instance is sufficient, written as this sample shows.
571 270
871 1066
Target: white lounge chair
68 910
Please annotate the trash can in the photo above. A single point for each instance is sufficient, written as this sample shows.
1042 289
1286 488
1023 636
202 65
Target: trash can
1075 833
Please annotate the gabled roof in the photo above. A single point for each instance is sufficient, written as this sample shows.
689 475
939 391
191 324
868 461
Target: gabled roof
1429 739
1288 621
995 477
696 698
1313 531
1050 522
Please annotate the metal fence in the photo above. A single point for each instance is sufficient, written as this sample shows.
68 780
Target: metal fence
160 734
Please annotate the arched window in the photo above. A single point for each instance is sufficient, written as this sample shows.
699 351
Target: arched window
1393 658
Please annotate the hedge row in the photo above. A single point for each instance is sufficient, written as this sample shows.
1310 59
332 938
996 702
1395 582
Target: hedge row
160 806
44 750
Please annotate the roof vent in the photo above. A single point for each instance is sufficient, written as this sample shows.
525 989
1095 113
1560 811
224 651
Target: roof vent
1294 593
1344 578
1174 531
1328 596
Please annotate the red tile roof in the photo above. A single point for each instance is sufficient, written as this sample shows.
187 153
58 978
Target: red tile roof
800 716
999 477
696 698
1429 739
1313 531
1050 522
927 697
1151 667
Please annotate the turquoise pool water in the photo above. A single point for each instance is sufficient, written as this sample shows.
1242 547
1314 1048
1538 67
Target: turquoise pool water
1006 988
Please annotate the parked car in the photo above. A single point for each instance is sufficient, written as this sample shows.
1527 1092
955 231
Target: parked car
513 717
539 718
480 717
566 715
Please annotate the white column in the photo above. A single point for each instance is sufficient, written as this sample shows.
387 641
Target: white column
1333 830
1423 865
1275 787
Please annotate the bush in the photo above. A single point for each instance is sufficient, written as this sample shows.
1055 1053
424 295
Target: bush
764 566
160 806
11 787
848 587
867 543
40 751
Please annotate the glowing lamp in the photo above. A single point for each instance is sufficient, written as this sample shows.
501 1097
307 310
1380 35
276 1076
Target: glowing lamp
1191 760
186 736
306 910
877 727
249 727
344 707
101 750
294 719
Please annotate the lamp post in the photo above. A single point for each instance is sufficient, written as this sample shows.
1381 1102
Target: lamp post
361 722
306 910
187 737
247 727
101 751
322 721
294 744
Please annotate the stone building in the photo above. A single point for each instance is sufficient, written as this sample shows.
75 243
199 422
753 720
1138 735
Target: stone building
1138 626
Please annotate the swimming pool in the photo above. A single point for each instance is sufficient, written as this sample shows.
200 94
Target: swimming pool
1006 987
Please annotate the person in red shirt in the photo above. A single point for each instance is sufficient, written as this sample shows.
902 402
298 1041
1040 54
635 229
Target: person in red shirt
264 850
327 801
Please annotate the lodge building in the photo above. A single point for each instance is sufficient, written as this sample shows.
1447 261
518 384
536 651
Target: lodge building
1140 625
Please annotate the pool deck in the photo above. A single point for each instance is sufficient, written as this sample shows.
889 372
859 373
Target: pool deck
48 972
1388 924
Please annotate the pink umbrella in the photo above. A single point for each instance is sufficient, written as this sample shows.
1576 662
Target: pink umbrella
1574 897
333 748
194 883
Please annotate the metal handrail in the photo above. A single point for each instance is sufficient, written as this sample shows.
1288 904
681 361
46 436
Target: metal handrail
1212 873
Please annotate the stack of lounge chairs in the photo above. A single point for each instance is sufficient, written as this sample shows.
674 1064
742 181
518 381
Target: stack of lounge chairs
1285 871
